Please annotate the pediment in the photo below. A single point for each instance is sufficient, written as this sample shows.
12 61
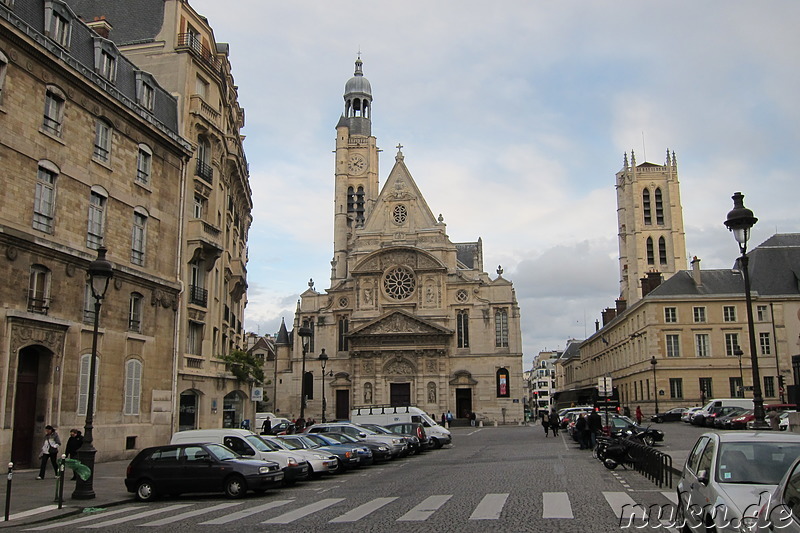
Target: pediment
399 323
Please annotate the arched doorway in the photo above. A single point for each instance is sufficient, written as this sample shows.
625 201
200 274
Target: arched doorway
187 410
232 406
32 365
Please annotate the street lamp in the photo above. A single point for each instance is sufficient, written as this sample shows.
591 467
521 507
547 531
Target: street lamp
100 272
654 362
323 359
739 353
740 220
305 338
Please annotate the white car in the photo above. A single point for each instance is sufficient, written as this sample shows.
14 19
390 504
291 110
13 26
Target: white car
688 414
318 462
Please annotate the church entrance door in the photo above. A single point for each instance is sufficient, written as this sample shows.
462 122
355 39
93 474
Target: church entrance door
400 393
463 403
342 404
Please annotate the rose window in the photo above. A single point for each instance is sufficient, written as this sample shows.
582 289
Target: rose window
343 302
400 213
399 283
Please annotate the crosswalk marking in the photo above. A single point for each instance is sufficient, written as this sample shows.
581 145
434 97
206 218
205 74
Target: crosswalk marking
620 502
244 513
363 510
291 516
425 509
83 519
556 505
143 514
490 507
191 514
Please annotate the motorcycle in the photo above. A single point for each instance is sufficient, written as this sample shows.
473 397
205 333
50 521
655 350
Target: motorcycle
612 452
646 435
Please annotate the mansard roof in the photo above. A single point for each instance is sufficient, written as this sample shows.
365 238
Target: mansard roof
132 21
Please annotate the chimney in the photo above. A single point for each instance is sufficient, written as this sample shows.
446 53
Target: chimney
608 314
100 26
696 272
621 305
651 282
596 325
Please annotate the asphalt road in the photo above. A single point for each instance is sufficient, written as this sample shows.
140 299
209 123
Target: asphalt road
508 479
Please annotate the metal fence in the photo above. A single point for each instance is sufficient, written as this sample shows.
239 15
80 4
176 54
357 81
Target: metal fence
651 463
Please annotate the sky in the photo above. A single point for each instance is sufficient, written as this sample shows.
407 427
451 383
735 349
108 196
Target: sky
514 117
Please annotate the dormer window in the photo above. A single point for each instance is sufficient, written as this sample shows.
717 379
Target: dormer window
105 59
58 22
145 90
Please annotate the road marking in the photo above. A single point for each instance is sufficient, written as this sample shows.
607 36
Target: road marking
303 511
363 510
671 496
425 509
556 505
81 520
244 513
620 502
31 512
191 514
490 507
136 516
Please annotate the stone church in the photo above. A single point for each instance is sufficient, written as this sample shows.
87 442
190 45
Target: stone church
410 317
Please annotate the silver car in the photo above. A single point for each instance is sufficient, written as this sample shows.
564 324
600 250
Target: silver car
397 444
728 478
318 463
782 513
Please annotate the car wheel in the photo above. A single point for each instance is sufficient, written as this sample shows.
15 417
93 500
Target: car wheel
648 440
659 420
437 443
340 468
145 491
235 487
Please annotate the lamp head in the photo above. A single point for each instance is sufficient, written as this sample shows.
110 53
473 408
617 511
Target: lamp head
100 273
323 358
740 220
653 360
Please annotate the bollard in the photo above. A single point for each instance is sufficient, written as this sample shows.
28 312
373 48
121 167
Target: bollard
8 489
495 423
480 424
60 481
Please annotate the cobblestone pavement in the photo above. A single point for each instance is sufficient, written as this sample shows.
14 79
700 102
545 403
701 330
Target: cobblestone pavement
509 478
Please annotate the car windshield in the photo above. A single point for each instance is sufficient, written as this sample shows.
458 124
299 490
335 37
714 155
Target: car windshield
319 440
755 462
262 445
292 444
379 429
341 437
222 453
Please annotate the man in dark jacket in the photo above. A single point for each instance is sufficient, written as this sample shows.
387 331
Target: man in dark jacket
595 426
581 431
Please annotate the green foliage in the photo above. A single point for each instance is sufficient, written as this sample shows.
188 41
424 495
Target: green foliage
244 366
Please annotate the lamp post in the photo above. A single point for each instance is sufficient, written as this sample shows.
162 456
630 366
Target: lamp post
739 353
305 337
100 272
323 359
740 220
654 362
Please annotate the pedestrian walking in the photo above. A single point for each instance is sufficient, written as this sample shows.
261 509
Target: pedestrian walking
581 430
638 415
74 442
546 424
554 422
266 427
49 450
595 426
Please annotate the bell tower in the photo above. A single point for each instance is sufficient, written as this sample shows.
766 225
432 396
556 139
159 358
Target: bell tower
356 186
650 223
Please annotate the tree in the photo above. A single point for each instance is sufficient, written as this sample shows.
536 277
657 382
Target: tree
245 366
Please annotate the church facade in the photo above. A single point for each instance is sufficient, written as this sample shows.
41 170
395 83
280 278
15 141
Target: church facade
410 317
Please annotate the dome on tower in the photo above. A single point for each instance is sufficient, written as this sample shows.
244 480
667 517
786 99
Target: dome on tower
358 83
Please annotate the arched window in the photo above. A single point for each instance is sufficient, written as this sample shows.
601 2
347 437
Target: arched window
97 217
144 164
308 385
462 328
650 253
54 99
44 204
83 383
503 385
501 328
659 208
662 250
3 69
133 386
648 218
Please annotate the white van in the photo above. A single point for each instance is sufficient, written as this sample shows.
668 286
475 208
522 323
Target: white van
383 415
246 443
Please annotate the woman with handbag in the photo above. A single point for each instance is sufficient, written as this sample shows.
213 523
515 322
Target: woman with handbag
49 450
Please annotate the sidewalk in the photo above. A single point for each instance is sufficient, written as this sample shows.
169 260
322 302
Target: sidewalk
34 501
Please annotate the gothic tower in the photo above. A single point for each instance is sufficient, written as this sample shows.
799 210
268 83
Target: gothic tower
650 218
356 169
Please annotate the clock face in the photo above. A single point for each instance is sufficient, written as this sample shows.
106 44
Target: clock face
357 164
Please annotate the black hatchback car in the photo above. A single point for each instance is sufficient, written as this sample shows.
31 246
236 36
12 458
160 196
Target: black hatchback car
180 468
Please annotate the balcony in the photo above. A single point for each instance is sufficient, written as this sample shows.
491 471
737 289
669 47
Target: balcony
204 241
38 305
205 172
238 281
193 43
199 107
198 295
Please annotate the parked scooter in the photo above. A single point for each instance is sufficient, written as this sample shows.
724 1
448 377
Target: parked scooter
612 452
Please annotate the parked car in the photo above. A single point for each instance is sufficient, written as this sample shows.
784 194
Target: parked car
743 421
277 425
712 415
181 468
699 417
412 441
725 475
782 510
395 414
565 415
397 444
725 420
319 463
412 428
673 415
349 456
380 452
689 413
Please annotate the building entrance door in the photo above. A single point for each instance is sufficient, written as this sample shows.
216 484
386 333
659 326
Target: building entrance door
463 403
342 404
400 394
25 408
